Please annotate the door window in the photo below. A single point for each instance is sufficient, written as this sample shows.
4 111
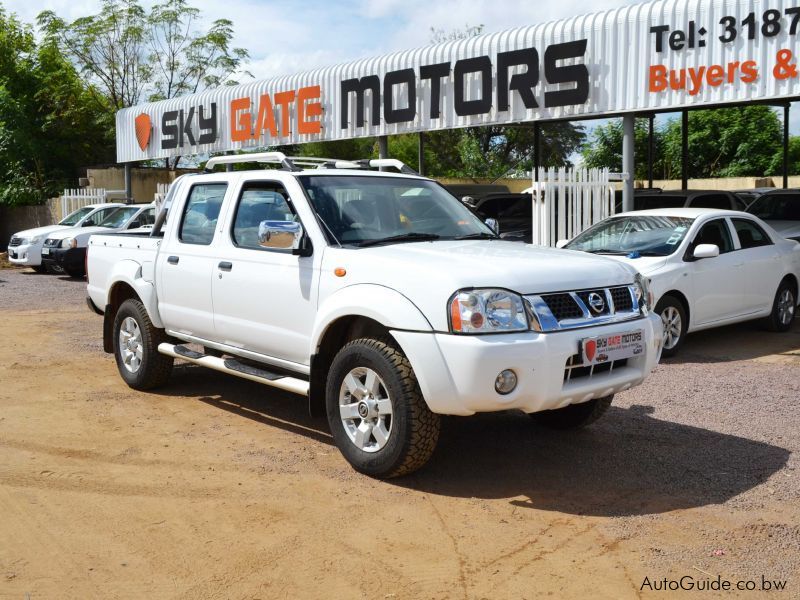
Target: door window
719 201
201 213
259 201
715 232
750 234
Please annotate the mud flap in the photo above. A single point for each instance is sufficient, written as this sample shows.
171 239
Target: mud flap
108 329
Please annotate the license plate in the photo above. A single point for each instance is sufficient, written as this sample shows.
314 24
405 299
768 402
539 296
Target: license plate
616 346
45 251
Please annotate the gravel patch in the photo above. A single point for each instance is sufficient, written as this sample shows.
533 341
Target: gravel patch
24 289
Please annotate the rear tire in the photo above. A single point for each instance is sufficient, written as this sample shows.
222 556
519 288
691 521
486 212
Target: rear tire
783 308
136 342
377 415
574 416
673 316
77 273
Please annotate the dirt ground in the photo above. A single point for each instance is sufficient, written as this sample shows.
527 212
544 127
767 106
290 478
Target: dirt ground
221 488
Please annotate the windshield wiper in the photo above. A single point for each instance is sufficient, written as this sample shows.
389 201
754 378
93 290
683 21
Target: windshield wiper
403 237
607 251
477 236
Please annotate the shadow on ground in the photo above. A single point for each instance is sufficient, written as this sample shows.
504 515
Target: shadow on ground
629 463
743 341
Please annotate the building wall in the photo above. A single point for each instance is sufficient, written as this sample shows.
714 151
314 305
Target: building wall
144 181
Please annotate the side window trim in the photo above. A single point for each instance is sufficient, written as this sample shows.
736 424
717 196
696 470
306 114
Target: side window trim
185 208
249 184
725 222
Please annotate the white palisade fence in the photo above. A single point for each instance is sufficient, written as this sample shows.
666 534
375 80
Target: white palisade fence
72 200
567 201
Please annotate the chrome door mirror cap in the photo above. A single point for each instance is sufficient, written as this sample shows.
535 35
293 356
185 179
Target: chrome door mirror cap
280 235
706 251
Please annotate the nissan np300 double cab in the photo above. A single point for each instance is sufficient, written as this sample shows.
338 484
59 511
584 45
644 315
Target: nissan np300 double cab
377 295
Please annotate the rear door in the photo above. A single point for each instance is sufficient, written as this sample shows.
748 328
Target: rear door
718 283
185 264
265 299
762 265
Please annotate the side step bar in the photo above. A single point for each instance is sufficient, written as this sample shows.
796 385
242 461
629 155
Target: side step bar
234 367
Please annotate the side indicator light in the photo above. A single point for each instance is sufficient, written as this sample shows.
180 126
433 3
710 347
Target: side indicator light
340 272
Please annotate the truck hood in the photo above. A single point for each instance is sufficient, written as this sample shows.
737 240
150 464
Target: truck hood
29 233
429 273
79 232
787 229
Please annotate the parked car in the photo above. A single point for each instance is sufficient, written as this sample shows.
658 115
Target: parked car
648 199
378 295
751 194
781 210
25 247
65 250
512 213
706 267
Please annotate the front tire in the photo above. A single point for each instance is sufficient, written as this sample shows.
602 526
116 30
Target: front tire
783 308
377 415
39 269
136 342
75 273
673 316
574 416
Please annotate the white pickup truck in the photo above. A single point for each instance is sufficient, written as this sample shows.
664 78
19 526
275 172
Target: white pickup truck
378 295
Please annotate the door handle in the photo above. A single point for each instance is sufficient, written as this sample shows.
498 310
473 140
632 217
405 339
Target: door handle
173 260
225 266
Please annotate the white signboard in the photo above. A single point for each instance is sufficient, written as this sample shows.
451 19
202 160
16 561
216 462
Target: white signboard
667 54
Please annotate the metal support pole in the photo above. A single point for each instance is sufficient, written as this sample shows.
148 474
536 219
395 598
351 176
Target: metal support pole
685 149
128 183
628 160
383 148
786 108
650 150
421 150
537 151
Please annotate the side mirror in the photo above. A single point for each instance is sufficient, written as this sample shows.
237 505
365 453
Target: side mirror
561 243
88 223
706 251
134 225
493 224
281 235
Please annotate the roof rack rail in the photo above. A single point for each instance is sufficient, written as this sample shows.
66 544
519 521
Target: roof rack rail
293 163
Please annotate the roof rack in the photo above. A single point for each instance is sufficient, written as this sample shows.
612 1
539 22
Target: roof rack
293 163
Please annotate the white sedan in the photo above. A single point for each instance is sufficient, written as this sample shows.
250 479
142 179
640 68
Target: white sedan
707 267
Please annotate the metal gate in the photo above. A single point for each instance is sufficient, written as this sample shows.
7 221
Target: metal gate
72 200
567 201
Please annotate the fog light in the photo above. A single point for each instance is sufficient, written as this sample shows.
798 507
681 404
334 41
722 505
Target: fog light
506 382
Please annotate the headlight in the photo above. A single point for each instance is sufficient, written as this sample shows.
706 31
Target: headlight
24 241
487 311
69 243
644 296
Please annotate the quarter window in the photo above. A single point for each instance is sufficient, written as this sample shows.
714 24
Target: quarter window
260 201
201 213
751 235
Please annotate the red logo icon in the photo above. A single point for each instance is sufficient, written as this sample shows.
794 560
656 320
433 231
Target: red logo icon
143 129
590 348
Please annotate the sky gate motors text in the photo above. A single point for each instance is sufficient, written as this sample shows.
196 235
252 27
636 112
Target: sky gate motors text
524 83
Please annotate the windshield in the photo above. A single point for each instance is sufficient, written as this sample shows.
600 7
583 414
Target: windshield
639 235
118 217
363 210
73 218
777 207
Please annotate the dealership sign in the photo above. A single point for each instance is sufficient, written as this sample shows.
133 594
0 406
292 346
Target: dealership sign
657 56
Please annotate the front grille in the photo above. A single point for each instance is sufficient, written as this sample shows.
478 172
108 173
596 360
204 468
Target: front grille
584 296
623 302
563 306
575 370
15 241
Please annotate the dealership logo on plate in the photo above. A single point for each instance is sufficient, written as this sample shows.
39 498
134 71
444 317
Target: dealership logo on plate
143 129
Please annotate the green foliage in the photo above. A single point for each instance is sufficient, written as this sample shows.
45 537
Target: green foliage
727 142
49 125
131 54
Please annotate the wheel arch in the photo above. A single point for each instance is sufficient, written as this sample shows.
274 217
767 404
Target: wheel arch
125 283
680 297
792 278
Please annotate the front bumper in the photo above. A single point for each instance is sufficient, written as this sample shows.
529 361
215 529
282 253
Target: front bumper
457 373
66 258
28 255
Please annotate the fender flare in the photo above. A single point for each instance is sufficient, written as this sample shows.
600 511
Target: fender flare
130 272
385 305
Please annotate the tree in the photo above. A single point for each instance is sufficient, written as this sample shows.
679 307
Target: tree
49 125
605 149
130 54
